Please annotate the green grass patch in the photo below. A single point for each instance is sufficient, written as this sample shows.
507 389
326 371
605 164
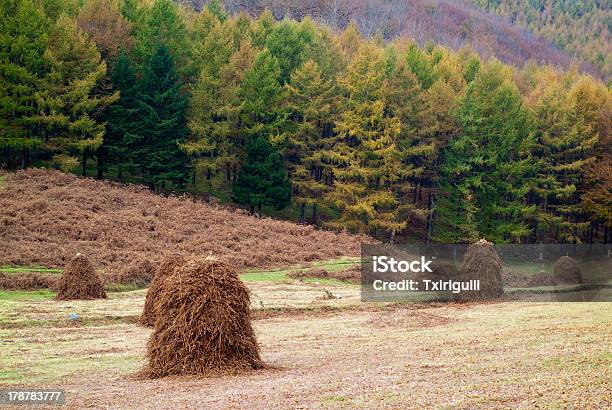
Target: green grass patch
280 275
18 295
122 287
25 269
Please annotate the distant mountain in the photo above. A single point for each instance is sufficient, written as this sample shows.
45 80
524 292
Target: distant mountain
447 22
581 28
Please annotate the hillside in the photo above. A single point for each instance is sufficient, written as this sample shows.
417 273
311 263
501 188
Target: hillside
48 216
581 28
446 22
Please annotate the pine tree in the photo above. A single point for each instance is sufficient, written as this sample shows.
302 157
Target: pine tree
311 104
217 135
71 102
122 116
261 94
162 127
421 65
289 42
162 24
567 140
364 160
23 40
487 170
415 145
262 179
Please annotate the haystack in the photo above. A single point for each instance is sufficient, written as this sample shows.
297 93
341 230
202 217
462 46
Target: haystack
80 281
203 324
482 263
166 268
567 270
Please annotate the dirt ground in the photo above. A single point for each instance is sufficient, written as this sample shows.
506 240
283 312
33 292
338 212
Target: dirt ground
325 352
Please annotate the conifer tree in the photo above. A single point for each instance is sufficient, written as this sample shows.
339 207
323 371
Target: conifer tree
161 24
121 116
261 94
567 143
23 40
487 170
311 104
289 43
364 160
155 144
71 104
262 179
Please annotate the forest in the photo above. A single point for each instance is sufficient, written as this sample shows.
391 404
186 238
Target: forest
582 28
379 136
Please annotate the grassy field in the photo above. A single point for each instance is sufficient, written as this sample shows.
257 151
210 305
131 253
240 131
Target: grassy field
323 351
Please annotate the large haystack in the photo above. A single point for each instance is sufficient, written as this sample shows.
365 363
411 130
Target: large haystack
166 268
203 323
482 263
80 281
567 270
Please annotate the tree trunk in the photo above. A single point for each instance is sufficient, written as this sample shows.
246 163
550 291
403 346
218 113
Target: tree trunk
84 171
101 162
252 209
314 213
302 212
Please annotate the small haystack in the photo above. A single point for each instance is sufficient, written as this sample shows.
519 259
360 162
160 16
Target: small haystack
567 270
166 268
203 324
80 281
542 278
482 263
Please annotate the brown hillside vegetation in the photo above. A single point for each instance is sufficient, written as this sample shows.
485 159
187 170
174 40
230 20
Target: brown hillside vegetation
46 217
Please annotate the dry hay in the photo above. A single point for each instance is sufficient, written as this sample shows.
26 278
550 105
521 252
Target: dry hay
166 268
138 273
567 270
48 216
515 279
80 281
27 281
542 279
481 262
351 274
203 324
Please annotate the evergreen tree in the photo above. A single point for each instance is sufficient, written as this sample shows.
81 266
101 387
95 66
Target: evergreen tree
122 116
365 161
23 40
289 42
487 170
262 179
261 94
421 65
217 131
71 102
161 127
311 104
161 24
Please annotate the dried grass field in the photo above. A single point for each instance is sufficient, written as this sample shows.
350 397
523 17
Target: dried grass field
321 352
323 347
